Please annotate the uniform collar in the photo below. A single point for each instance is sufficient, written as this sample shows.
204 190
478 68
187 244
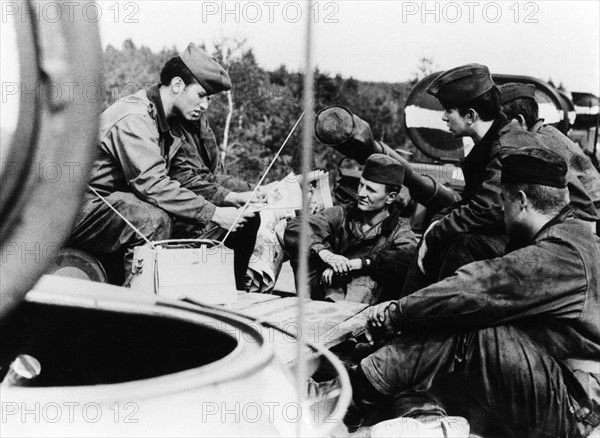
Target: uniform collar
387 225
480 152
153 93
566 212
514 244
537 125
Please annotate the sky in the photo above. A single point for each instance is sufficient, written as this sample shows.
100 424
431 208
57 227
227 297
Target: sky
367 40
383 40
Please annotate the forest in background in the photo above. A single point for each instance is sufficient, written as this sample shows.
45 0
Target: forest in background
266 104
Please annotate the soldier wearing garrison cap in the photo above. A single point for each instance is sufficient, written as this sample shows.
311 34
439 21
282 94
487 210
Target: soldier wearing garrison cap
473 228
158 165
520 330
360 252
519 104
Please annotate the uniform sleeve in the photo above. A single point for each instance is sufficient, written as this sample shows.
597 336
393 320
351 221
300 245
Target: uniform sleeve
391 263
134 142
192 174
482 214
543 280
321 232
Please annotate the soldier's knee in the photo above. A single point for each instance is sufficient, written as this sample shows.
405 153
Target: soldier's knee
162 225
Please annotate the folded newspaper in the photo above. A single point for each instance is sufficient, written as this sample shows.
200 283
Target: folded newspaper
282 203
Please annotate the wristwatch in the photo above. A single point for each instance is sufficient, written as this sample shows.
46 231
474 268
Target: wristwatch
366 262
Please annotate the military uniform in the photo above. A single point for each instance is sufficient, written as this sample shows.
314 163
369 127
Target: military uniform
389 247
584 179
155 171
473 229
520 333
515 328
385 248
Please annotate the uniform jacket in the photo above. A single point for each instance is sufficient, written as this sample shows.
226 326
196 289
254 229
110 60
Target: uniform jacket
337 229
174 167
583 178
480 209
549 288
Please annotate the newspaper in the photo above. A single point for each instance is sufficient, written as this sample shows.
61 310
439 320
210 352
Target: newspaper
282 203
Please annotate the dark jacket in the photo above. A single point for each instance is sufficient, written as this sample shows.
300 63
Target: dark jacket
549 288
583 179
337 229
480 210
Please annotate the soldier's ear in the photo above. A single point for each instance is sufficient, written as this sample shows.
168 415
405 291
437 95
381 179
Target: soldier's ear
523 201
177 85
471 116
391 197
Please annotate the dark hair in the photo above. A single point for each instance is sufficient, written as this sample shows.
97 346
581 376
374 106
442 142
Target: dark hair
487 105
526 106
545 199
389 188
173 68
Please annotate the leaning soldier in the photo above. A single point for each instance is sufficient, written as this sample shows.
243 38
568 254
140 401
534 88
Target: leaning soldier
519 334
158 164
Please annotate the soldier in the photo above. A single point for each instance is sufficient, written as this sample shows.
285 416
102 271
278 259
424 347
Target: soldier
518 103
158 161
358 252
520 333
472 229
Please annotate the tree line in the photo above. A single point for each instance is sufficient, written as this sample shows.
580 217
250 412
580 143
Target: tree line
266 104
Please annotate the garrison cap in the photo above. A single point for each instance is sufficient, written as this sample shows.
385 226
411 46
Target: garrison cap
515 90
207 71
534 165
462 84
383 169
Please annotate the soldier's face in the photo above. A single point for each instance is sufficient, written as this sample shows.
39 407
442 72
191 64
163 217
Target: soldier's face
191 101
372 196
456 123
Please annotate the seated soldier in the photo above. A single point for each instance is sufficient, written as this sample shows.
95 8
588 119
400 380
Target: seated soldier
158 161
519 334
472 229
360 252
518 103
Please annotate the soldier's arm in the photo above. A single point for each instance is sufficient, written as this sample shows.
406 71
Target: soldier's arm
547 279
134 142
482 214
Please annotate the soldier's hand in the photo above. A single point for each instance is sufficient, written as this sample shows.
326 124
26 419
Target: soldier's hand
327 277
226 216
423 248
379 322
340 264
264 190
238 199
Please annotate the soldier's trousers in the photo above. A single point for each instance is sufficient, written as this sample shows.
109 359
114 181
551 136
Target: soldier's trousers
99 229
499 368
